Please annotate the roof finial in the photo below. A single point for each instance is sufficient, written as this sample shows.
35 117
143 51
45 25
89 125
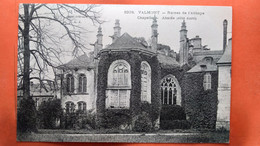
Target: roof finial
154 18
183 26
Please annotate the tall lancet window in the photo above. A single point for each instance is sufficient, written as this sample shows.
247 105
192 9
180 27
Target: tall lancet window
118 85
170 90
70 83
145 82
82 87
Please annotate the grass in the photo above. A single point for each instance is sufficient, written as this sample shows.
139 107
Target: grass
161 136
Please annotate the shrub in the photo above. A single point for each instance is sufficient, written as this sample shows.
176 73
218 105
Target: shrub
26 116
78 120
48 113
142 123
173 117
116 117
175 124
172 112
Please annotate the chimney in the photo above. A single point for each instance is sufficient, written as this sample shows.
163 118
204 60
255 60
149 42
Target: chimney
225 23
229 44
154 34
184 45
117 31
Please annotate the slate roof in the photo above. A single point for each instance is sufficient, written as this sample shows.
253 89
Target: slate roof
124 42
198 56
82 61
226 57
127 42
208 52
205 65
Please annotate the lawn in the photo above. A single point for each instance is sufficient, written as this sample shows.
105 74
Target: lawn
175 136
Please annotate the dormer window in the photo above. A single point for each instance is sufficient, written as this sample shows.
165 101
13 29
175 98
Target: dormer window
203 67
208 60
207 81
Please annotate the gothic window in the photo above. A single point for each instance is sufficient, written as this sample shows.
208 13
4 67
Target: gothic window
69 107
169 90
82 87
145 82
207 81
120 75
70 83
82 106
119 85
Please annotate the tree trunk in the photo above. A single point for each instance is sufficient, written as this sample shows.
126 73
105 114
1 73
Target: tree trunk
26 77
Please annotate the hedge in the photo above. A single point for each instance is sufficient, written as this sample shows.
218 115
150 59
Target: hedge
175 124
26 116
172 112
200 106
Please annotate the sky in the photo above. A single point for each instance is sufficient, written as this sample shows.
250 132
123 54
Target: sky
204 21
207 22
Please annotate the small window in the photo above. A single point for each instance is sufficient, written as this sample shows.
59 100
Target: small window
207 81
70 83
82 87
82 106
70 107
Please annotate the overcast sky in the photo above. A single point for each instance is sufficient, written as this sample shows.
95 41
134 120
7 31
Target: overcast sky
207 22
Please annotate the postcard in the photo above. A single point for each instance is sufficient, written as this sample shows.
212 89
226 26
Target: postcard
124 73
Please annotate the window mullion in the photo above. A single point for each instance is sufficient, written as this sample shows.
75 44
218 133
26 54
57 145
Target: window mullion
118 98
163 95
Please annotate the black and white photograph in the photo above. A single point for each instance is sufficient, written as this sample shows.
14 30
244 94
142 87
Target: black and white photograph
124 73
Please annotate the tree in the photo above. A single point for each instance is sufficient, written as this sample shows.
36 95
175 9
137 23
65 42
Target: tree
48 113
39 44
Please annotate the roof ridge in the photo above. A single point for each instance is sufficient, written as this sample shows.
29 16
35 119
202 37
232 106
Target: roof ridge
125 41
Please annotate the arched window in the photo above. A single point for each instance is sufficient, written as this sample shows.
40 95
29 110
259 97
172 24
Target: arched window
119 85
70 107
119 74
82 87
145 82
82 106
70 83
207 81
170 90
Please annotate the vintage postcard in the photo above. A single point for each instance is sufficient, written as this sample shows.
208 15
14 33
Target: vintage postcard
124 73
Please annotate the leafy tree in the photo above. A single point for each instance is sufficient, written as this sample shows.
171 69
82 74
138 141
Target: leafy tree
43 28
49 112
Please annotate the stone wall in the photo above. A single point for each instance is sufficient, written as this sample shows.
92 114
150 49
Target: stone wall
224 94
76 97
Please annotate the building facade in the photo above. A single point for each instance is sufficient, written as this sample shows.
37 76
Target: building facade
118 81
